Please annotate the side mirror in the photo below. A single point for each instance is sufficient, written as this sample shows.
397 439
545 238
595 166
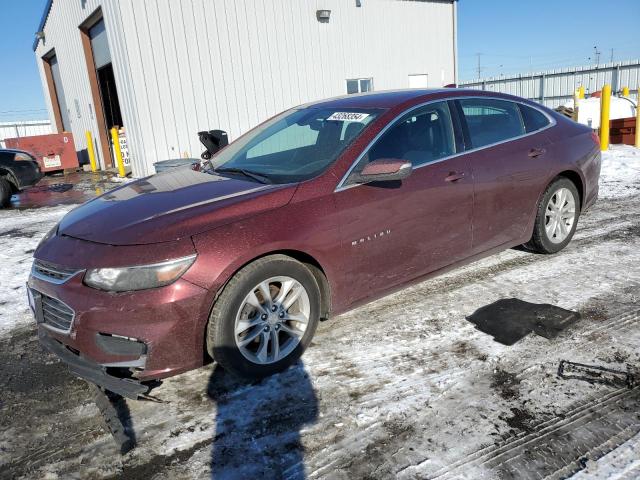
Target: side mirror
385 170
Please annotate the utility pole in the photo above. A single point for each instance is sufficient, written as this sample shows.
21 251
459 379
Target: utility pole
611 55
479 65
597 54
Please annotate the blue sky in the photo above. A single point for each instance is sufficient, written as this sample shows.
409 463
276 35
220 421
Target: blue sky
513 36
516 36
20 89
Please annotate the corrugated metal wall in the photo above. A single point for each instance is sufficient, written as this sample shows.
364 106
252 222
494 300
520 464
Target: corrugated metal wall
62 33
556 87
23 129
187 65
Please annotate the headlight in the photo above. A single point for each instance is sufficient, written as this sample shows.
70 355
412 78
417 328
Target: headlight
138 277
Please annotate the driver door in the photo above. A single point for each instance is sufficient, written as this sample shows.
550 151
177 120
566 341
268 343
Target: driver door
395 231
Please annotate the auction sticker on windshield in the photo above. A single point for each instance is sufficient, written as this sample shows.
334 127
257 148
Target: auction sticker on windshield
348 116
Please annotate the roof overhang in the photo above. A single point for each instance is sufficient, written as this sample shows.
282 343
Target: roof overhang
43 22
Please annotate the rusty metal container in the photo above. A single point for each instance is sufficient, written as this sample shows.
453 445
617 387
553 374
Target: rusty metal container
53 152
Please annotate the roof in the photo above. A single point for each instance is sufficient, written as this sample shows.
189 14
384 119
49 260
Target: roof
42 23
379 99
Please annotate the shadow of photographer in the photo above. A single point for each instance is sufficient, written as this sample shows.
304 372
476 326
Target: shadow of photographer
258 424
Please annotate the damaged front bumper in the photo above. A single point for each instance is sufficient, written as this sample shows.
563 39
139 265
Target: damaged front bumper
92 371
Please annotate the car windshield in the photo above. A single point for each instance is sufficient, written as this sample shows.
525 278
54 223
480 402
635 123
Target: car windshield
294 146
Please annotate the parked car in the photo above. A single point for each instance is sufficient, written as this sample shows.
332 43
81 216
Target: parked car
312 213
18 170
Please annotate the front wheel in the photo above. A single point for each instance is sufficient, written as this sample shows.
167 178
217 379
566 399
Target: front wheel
264 318
557 217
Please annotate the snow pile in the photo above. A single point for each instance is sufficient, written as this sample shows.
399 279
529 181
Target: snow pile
20 232
620 174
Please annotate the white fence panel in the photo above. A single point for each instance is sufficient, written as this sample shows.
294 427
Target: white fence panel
23 129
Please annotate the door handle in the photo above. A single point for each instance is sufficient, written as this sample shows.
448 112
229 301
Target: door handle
454 176
536 152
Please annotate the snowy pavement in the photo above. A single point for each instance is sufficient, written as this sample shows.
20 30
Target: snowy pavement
404 387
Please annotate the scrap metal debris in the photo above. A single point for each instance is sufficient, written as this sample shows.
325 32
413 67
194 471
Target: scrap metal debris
596 374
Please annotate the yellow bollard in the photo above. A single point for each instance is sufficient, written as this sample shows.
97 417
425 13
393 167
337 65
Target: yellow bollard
92 153
581 92
118 152
638 122
605 107
625 91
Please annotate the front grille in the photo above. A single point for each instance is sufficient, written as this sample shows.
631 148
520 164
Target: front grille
56 314
52 273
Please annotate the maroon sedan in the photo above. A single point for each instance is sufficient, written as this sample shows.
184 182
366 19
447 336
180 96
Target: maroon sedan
320 209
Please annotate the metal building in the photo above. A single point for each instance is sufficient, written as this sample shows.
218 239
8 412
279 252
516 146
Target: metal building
166 69
556 87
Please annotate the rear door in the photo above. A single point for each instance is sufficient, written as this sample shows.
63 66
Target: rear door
508 165
396 231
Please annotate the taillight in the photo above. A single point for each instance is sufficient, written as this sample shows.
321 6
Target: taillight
595 138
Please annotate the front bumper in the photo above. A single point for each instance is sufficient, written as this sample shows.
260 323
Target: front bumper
148 334
92 371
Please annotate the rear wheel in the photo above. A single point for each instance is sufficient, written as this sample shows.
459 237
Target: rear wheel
265 317
557 217
5 192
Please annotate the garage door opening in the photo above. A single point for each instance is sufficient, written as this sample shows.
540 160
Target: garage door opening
103 84
56 93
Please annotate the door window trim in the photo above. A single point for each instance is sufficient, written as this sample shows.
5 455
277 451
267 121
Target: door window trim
342 185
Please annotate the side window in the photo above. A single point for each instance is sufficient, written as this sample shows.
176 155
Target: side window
491 121
294 136
421 136
533 119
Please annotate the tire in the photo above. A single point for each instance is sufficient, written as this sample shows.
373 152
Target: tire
5 192
542 241
269 322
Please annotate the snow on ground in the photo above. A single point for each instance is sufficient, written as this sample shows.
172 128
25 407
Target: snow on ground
20 233
620 174
621 463
404 387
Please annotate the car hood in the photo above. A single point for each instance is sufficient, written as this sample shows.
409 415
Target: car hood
169 206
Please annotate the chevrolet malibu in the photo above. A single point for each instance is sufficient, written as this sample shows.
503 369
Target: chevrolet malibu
314 212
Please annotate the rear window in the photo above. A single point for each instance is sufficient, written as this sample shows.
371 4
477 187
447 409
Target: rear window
491 121
533 119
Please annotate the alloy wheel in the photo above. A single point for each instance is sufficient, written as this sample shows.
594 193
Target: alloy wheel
560 215
272 319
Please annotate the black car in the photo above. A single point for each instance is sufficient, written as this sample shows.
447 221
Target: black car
18 170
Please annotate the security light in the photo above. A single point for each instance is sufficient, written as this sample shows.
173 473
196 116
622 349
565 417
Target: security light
40 35
323 15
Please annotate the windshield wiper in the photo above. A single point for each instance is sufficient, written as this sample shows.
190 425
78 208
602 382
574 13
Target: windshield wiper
258 177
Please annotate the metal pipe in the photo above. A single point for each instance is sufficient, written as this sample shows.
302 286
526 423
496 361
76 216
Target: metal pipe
605 108
116 149
91 151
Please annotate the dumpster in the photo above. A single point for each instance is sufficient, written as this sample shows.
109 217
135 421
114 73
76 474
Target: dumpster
53 152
